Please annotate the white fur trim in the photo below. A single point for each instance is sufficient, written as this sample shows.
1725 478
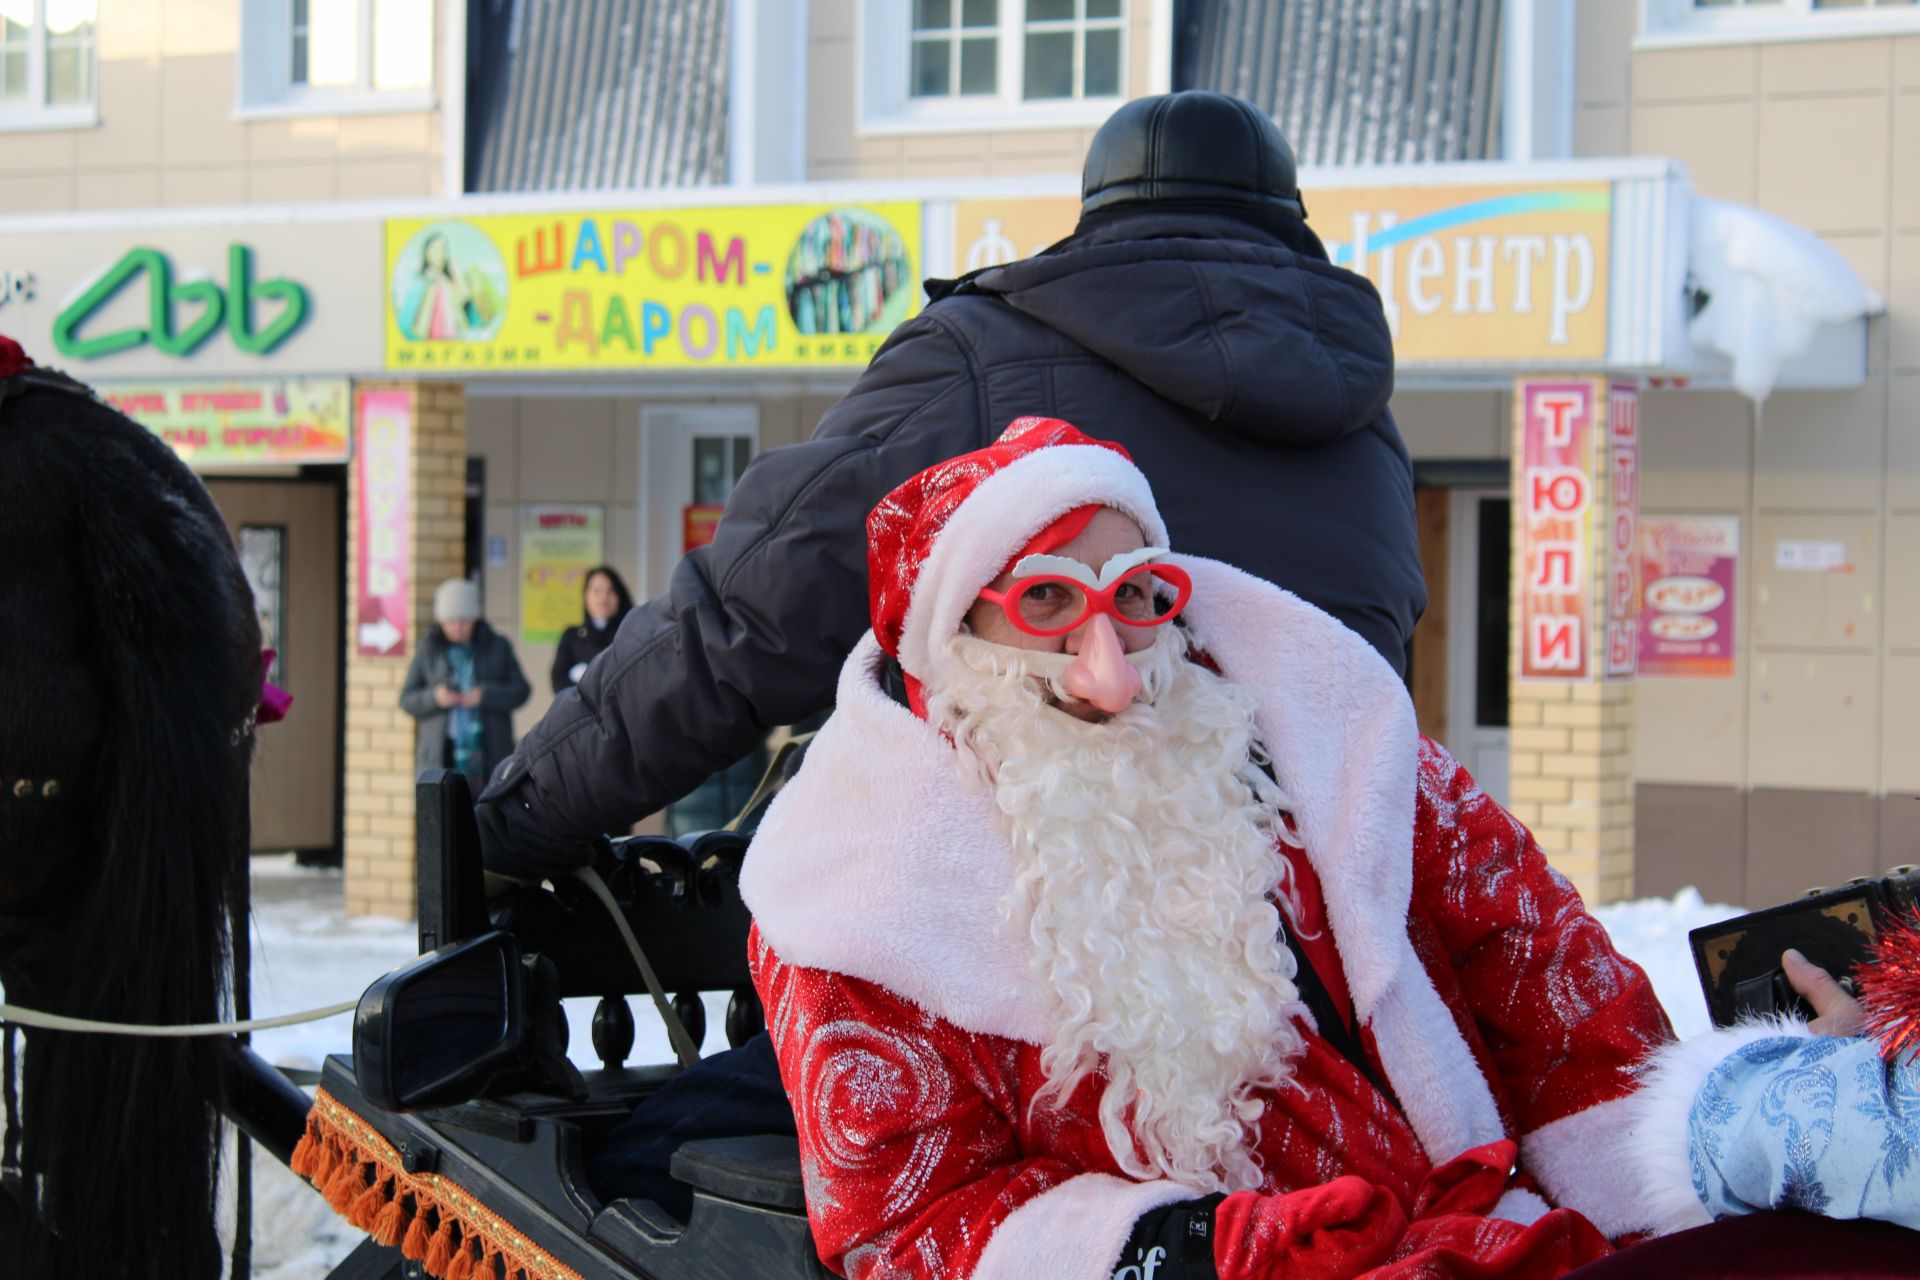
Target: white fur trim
1074 1231
1522 1206
878 863
1580 1162
1650 1136
1000 516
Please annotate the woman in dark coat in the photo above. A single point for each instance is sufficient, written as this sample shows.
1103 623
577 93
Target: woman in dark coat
606 604
463 687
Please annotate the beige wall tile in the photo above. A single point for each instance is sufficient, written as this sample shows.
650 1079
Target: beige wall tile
1691 731
1823 162
626 452
493 433
190 28
1903 586
36 192
812 409
1696 450
1906 162
1825 66
1601 131
1690 75
405 134
117 188
291 183
129 132
1714 140
832 100
1903 304
196 112
1821 449
1450 424
1899 713
1815 721
1603 51
374 179
49 152
299 138
1906 62
1065 149
779 422
1816 609
224 184
566 449
832 19
1903 442
129 29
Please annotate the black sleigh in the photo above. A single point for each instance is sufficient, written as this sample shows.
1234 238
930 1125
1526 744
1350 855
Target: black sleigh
456 1133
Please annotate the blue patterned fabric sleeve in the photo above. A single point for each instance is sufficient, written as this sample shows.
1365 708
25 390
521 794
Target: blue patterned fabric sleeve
1819 1124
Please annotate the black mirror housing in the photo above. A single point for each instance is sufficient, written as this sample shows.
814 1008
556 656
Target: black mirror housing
435 1030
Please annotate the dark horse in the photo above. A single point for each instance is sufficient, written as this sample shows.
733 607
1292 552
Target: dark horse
130 671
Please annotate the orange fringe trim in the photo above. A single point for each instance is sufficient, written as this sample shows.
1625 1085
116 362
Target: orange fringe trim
434 1220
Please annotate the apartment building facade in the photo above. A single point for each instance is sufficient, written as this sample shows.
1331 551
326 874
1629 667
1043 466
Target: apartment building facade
504 288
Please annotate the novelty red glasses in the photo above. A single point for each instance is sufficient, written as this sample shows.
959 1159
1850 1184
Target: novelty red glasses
1052 604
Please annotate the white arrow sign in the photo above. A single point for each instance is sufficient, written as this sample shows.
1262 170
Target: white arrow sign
380 636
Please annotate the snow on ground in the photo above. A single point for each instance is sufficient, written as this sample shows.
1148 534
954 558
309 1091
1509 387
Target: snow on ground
306 954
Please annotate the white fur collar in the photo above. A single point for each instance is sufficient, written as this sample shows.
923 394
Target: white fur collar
878 862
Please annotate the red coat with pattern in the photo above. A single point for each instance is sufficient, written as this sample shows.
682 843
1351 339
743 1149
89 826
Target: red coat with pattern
1489 1001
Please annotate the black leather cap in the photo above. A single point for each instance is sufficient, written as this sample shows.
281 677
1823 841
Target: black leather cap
1194 145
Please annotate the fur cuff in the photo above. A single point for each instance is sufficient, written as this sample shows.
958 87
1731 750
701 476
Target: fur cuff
1074 1231
1653 1140
1522 1206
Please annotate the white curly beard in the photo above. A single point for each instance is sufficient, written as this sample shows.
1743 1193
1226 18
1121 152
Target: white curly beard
1148 872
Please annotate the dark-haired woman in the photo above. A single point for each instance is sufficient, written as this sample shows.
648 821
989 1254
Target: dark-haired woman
606 603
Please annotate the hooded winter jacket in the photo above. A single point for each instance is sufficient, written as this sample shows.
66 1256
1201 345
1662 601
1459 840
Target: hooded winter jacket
1248 380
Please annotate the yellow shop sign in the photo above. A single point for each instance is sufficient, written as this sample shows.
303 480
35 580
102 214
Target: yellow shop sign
784 285
1468 275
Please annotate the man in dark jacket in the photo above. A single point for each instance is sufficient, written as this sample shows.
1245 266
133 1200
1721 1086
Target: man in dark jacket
1192 317
462 687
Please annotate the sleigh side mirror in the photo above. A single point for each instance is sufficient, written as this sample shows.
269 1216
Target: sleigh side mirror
434 1031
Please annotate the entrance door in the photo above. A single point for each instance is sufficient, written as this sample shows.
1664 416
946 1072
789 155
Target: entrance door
1478 637
288 532
690 457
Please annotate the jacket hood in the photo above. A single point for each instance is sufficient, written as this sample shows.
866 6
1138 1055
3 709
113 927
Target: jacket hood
1218 317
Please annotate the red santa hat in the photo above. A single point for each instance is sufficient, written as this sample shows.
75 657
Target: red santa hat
935 541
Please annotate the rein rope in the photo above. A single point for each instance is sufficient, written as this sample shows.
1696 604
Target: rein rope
13 1013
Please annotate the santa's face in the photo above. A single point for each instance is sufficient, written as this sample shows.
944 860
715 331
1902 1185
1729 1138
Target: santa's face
1099 682
1146 877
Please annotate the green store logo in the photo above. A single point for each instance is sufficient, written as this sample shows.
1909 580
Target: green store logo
166 297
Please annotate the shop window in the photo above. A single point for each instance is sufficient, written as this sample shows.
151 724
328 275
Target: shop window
334 56
48 62
938 64
1690 21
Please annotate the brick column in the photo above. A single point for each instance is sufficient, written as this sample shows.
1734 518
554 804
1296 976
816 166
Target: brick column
380 736
1575 610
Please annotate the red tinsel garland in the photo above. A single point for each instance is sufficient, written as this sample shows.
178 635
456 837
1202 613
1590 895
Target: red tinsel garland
1890 988
12 358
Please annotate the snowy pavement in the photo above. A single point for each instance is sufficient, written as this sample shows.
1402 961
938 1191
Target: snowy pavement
306 954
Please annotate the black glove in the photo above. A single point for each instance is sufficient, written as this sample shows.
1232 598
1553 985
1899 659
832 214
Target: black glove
514 842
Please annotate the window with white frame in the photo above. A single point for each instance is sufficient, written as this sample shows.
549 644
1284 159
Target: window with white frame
335 55
47 61
992 62
1777 19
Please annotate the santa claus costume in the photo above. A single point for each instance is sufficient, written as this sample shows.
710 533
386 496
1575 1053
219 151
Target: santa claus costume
1489 1026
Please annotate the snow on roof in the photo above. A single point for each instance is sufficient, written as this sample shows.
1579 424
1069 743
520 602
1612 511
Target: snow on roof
1769 285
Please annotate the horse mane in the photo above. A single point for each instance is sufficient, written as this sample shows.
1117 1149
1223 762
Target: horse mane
131 672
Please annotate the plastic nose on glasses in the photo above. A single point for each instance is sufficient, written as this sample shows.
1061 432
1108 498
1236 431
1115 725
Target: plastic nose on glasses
1100 673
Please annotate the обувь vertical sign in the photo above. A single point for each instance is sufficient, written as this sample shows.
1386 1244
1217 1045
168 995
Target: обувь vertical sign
384 471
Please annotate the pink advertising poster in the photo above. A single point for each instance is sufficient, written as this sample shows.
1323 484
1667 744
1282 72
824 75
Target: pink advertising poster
1688 567
1557 428
386 471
